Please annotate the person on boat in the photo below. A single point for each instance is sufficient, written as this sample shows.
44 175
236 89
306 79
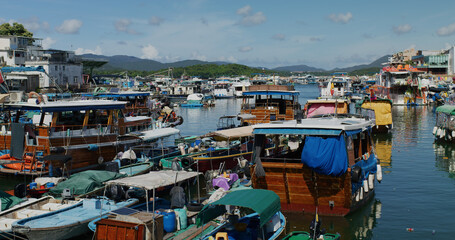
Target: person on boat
177 196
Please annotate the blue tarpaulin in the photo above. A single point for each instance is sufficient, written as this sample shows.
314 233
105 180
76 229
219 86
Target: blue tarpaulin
325 155
22 69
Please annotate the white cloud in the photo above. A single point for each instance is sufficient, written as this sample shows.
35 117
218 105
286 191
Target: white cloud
279 37
404 28
341 18
33 24
48 42
245 49
244 11
154 20
249 19
228 59
254 19
197 56
149 52
81 51
70 26
123 25
446 31
2 20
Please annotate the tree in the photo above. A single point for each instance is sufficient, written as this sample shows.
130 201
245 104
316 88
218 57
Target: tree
16 29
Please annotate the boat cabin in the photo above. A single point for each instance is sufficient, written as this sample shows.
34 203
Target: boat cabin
270 103
318 107
87 131
326 163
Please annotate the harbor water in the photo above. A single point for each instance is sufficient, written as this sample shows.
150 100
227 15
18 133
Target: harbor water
415 199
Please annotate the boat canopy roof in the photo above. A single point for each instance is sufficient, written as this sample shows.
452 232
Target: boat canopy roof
265 203
329 126
327 101
158 133
272 92
63 106
447 109
234 133
155 179
117 94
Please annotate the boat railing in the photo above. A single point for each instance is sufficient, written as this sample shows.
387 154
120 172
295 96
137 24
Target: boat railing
82 130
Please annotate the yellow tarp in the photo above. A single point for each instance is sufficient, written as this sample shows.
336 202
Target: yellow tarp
382 111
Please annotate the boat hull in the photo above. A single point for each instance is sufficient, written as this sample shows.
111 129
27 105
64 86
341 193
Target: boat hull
302 190
60 233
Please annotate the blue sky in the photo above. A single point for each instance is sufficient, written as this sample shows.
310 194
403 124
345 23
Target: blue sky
266 33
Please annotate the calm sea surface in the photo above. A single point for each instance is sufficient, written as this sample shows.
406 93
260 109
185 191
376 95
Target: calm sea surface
417 190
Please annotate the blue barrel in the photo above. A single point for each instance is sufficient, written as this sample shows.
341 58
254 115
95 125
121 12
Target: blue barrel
33 185
169 221
50 184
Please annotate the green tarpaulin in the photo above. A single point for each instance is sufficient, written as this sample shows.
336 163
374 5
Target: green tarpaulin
447 109
8 200
264 202
84 182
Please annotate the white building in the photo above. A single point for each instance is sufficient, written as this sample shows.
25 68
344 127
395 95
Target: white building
61 67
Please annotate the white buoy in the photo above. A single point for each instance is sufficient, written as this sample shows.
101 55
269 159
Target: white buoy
365 185
371 181
361 193
379 173
3 130
438 132
443 133
453 134
435 129
357 195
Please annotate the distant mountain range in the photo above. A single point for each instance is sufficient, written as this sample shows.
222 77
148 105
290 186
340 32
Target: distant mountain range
123 62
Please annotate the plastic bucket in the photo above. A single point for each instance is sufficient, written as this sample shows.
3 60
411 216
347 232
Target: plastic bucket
181 213
169 221
33 185
50 184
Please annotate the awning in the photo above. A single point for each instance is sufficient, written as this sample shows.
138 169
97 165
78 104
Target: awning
158 133
298 131
447 109
280 93
234 133
155 179
264 202
246 116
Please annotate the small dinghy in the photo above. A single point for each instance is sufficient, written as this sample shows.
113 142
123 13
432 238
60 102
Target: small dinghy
68 222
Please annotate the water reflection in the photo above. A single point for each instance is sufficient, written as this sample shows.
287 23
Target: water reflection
383 147
358 225
409 123
445 157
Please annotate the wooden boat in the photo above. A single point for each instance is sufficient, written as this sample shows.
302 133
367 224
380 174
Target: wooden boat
378 109
270 103
31 208
68 222
266 223
80 134
329 164
225 157
317 107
